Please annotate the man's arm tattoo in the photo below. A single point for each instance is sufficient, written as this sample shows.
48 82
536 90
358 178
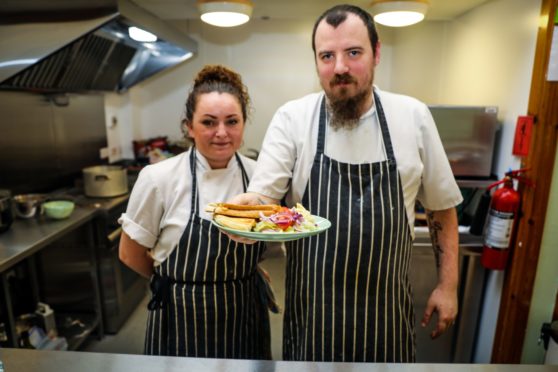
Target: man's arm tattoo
434 227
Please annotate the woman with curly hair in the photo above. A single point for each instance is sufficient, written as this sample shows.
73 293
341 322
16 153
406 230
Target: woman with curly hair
206 292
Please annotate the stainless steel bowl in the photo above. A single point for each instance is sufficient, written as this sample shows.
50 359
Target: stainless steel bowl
28 205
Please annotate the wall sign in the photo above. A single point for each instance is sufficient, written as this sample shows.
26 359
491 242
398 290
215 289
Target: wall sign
522 139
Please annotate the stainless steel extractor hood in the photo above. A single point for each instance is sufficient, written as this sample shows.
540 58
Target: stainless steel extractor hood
83 45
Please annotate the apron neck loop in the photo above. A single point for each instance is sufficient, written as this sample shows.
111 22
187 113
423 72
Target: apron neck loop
381 119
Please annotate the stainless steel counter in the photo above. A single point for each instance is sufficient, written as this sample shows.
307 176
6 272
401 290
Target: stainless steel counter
27 236
468 243
22 360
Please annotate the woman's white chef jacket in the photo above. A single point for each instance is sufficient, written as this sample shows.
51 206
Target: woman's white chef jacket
160 202
290 144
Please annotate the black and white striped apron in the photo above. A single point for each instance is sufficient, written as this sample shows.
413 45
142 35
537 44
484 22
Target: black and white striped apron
207 299
348 296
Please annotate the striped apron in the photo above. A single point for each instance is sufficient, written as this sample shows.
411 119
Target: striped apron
348 296
207 296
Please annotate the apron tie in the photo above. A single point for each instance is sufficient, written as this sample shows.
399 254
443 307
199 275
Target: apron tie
160 287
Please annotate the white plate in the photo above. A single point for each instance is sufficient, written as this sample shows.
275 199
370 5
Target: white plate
323 225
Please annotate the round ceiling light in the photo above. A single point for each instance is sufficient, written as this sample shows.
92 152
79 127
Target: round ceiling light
398 13
225 13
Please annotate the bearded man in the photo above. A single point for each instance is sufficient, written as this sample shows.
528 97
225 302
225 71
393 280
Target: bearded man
359 157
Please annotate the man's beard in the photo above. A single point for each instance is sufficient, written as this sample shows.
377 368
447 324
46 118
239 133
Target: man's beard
346 110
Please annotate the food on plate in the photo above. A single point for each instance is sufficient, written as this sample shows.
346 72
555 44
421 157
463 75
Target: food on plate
263 218
237 223
295 219
244 211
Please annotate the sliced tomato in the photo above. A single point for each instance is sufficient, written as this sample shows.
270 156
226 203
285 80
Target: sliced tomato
283 219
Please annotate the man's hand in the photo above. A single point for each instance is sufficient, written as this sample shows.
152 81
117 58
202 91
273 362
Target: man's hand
252 198
444 303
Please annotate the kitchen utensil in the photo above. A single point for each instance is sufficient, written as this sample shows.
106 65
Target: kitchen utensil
27 205
105 181
6 211
58 209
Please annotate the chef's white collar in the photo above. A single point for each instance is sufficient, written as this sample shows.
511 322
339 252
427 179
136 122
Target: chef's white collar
204 164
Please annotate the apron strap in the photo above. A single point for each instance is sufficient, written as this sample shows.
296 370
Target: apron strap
321 128
245 179
384 127
194 199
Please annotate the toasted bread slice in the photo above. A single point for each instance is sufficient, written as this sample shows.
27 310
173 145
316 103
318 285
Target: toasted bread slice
226 207
259 207
243 224
243 213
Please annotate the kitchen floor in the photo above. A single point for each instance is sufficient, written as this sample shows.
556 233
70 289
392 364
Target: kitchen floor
130 338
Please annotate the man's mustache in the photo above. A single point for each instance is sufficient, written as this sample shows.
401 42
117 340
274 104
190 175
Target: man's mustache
342 79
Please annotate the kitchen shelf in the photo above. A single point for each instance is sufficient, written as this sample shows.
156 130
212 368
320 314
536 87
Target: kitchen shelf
475 183
76 327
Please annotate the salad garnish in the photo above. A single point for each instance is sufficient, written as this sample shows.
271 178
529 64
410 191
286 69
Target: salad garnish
295 219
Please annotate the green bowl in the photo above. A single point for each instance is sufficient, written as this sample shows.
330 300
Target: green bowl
58 209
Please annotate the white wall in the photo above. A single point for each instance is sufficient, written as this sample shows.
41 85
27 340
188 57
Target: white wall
274 58
484 57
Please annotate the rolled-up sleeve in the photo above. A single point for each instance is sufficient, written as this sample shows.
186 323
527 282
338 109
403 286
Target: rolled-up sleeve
438 188
145 208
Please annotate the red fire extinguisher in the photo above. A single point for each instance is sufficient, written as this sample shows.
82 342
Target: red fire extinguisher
501 217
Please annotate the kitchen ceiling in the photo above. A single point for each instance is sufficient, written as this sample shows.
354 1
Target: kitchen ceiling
440 10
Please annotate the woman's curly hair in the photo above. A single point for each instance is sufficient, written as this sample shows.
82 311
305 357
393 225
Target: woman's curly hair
216 78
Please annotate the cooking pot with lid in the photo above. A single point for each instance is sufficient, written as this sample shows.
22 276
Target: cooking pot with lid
105 181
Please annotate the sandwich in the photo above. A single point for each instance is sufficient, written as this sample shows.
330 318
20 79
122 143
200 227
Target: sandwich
240 217
237 223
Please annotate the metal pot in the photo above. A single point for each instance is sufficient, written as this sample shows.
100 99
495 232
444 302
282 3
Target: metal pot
6 211
105 181
28 205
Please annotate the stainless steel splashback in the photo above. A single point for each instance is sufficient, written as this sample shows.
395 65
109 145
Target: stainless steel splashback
470 136
45 141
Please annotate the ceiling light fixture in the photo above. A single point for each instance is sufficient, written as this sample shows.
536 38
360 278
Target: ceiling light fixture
398 13
225 13
141 35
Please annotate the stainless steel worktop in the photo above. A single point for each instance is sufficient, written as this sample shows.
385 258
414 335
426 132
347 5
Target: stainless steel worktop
27 236
468 243
23 360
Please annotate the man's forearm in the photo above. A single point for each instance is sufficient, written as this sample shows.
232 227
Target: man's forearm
445 241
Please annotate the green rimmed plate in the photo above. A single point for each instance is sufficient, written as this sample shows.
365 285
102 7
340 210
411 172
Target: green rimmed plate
323 225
